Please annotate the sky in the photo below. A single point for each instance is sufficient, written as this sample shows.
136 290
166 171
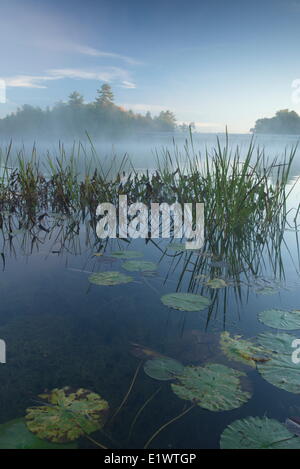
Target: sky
218 63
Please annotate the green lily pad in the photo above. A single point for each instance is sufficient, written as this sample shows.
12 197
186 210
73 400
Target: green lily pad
216 283
185 301
258 433
279 370
214 387
109 278
66 415
139 266
15 435
240 350
279 319
178 247
126 254
163 368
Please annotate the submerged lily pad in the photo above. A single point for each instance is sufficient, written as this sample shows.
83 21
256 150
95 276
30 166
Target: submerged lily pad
214 387
269 290
15 435
139 266
66 415
279 319
126 254
185 301
109 278
258 433
163 368
216 283
280 370
240 350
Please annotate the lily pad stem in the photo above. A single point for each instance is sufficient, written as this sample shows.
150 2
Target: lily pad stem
168 423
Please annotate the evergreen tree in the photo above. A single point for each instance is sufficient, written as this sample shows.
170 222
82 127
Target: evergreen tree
105 96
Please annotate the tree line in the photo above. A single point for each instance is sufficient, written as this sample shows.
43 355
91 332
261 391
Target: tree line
101 118
284 122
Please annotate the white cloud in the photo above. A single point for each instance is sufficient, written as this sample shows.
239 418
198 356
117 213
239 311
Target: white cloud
28 81
128 84
103 73
106 74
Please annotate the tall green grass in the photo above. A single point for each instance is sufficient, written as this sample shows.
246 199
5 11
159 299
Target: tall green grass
241 193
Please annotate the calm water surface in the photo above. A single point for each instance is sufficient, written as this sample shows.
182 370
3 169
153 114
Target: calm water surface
62 330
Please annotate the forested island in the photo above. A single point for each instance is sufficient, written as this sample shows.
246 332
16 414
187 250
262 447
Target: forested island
101 119
284 122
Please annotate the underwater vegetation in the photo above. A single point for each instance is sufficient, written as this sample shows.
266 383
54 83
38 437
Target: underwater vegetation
64 415
54 204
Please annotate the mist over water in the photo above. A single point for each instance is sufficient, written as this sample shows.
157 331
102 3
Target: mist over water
144 152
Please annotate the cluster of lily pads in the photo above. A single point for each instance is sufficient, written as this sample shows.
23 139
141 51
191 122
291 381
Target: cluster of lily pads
64 415
217 387
279 370
131 264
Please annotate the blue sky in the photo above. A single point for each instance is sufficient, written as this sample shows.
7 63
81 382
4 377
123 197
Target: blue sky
214 62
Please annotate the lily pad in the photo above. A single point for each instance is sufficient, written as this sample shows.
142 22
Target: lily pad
66 415
258 433
126 254
163 368
216 283
139 266
279 319
280 370
178 247
214 387
185 301
109 278
15 435
240 350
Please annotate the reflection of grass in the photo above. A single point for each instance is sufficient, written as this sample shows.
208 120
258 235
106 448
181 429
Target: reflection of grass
245 202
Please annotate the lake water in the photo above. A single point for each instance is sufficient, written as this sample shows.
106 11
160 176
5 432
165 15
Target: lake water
61 330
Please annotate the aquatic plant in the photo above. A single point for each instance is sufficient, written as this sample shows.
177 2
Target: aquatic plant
163 369
185 301
126 254
109 278
279 370
139 266
214 387
65 414
258 433
280 319
237 349
15 435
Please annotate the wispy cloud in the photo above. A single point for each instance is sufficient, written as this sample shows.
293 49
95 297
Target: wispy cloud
71 47
99 53
128 84
107 74
28 81
103 73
